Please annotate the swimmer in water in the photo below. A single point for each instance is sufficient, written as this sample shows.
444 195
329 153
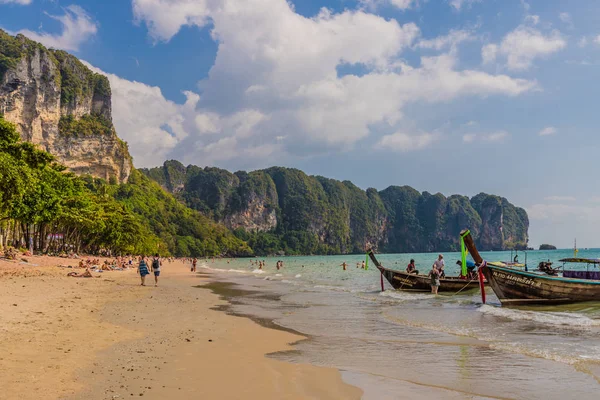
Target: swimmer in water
344 265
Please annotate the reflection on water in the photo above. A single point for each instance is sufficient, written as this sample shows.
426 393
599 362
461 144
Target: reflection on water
420 345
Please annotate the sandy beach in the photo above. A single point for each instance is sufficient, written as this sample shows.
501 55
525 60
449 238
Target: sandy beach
110 338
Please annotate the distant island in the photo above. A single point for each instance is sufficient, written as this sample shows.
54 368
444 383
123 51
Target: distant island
547 247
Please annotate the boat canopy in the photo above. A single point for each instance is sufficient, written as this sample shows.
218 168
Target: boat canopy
581 260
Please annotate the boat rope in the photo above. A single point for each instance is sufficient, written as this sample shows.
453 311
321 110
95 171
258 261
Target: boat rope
464 287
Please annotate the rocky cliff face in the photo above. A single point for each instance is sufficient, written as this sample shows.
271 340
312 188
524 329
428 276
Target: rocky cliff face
308 214
59 104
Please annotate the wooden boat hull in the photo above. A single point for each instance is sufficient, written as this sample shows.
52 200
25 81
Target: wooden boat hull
421 283
516 287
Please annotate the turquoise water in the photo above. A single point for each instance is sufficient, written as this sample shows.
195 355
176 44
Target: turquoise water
386 340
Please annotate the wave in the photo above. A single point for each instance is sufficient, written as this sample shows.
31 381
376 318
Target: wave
571 358
328 287
550 318
405 296
258 271
298 276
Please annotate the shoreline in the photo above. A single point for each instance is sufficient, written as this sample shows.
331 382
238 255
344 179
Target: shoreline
111 338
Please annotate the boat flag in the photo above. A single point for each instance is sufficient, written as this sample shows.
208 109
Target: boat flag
367 262
463 253
481 281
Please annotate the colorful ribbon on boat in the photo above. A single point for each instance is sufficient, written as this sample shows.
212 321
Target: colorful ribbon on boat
367 262
481 281
463 253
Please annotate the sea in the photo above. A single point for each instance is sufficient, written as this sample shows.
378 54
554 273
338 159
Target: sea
398 345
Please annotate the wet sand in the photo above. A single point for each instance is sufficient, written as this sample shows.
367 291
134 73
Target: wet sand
110 338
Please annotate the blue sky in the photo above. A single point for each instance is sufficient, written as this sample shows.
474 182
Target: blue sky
451 96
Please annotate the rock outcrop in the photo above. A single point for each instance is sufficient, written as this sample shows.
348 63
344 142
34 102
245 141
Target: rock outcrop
57 103
309 214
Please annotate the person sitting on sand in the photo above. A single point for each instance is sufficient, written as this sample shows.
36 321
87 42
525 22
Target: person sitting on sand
434 275
411 268
143 270
86 274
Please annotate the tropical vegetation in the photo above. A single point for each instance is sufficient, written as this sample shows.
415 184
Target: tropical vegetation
44 207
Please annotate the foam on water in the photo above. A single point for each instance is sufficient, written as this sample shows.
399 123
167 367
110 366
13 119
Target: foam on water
298 276
570 319
258 271
559 355
404 296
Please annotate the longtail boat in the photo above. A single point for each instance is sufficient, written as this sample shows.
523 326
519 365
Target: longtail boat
421 283
517 287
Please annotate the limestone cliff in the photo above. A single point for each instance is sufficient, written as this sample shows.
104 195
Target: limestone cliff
285 210
58 103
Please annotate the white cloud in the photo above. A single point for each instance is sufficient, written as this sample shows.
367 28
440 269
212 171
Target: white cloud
547 131
21 2
560 198
460 4
401 4
497 136
564 212
533 19
489 53
469 137
275 74
522 46
582 42
596 39
566 18
164 18
451 40
151 125
404 142
77 28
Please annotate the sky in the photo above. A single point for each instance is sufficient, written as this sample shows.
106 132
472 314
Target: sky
450 96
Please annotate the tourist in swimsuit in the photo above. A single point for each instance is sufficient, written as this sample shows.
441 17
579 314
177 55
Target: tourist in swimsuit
194 262
343 265
143 270
434 275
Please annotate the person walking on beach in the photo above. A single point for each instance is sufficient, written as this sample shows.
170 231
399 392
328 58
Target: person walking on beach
434 275
194 262
156 263
143 270
439 265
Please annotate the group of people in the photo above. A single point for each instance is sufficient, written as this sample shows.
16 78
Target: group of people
261 263
144 269
437 271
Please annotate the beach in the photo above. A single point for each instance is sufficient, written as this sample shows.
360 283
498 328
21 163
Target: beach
109 338
307 331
